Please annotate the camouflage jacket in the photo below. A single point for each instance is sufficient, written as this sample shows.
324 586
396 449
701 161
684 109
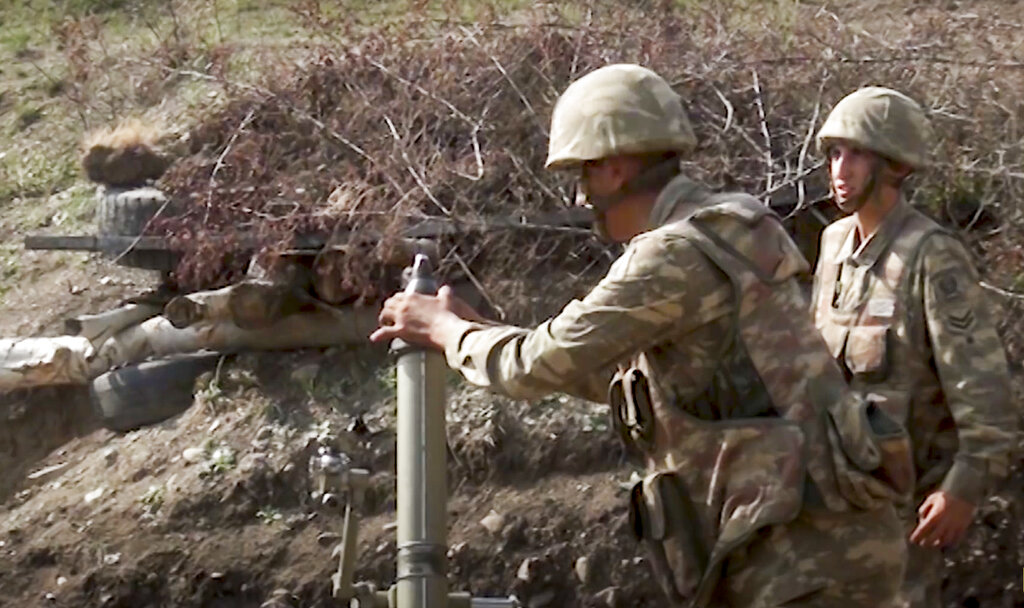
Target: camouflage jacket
704 307
904 314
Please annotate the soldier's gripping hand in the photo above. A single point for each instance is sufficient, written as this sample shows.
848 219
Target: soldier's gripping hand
431 321
943 520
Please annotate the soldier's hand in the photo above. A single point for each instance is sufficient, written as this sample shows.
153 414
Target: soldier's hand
943 520
421 319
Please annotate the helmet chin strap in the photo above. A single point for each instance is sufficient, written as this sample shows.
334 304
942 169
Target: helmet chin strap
654 177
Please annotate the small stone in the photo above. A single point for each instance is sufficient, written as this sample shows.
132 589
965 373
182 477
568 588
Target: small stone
609 596
456 549
111 559
193 455
94 495
264 434
61 581
582 569
493 522
216 575
46 471
326 539
528 569
50 597
110 456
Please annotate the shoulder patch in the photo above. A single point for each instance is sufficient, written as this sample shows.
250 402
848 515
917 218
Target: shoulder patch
949 286
960 320
956 310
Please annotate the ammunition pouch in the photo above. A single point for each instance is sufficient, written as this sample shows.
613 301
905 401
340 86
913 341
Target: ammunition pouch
715 484
665 520
878 446
632 412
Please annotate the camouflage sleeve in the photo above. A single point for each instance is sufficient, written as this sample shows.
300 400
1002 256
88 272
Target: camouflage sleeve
662 284
816 284
972 367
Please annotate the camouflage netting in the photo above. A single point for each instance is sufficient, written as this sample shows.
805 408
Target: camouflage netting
437 118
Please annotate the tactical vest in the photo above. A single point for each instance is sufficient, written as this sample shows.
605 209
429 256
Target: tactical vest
715 483
880 338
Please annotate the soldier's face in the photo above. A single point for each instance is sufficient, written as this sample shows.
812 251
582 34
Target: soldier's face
601 184
852 171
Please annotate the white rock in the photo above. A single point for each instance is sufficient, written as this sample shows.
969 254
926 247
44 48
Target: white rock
582 569
494 522
111 559
61 581
110 456
193 455
94 495
44 472
527 569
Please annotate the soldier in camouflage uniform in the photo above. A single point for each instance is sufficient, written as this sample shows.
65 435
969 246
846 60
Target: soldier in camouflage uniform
898 302
770 483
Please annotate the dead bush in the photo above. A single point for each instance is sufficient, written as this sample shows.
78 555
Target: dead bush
439 118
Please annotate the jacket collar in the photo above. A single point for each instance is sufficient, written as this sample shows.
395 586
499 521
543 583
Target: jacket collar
868 252
678 200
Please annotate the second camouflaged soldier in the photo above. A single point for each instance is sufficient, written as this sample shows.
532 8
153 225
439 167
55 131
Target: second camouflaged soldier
898 302
699 339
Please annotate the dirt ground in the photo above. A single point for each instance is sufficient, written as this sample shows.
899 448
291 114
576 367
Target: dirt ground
93 518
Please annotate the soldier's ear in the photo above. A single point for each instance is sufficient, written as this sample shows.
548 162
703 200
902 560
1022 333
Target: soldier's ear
895 172
622 169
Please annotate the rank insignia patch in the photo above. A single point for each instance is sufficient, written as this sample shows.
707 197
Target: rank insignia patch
948 286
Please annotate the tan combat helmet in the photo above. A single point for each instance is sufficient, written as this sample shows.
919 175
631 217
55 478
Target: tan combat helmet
883 121
617 109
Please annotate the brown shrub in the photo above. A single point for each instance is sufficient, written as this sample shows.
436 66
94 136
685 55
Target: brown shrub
426 118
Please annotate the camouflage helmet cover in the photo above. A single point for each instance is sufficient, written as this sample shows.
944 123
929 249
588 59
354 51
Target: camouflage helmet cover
883 121
617 109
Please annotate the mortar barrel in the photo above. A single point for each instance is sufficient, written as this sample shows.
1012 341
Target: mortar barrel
422 491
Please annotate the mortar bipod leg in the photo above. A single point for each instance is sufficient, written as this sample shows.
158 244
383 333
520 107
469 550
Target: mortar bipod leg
346 550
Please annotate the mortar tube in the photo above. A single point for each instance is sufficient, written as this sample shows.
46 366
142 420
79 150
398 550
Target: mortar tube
422 492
